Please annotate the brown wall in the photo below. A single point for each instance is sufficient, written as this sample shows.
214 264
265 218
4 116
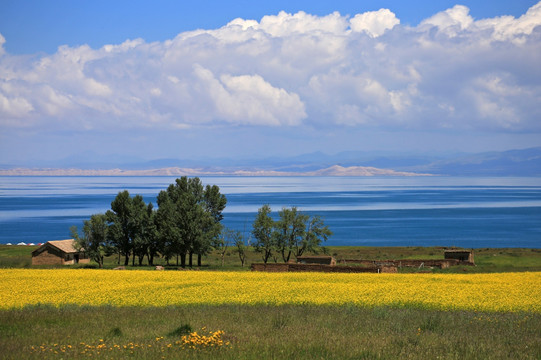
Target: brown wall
389 269
270 267
464 257
47 257
316 260
442 264
320 268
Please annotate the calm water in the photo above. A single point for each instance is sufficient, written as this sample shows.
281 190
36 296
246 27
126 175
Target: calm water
387 211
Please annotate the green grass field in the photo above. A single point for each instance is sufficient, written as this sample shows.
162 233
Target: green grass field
277 332
265 332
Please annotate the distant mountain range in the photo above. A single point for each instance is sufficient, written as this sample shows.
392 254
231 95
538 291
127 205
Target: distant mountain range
175 171
525 162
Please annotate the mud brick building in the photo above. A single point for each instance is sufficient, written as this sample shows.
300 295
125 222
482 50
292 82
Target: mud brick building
59 252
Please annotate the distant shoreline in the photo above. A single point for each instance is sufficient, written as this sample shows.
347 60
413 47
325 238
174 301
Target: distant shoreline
335 170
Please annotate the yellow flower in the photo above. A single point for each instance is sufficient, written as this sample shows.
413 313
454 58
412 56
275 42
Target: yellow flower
478 292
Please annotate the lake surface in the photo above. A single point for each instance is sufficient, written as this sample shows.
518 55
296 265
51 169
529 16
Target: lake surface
386 211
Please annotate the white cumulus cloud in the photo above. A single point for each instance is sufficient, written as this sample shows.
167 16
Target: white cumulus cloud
249 99
364 70
374 23
451 21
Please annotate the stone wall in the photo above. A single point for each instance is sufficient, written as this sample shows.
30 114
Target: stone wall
465 257
270 267
321 260
321 268
437 263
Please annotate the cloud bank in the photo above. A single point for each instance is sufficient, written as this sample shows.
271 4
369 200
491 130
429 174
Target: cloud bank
288 70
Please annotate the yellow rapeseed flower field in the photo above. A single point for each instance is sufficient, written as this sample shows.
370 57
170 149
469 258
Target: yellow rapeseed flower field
481 292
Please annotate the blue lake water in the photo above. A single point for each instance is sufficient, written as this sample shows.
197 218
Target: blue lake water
385 211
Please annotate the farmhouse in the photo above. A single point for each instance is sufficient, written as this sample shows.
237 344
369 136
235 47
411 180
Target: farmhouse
59 252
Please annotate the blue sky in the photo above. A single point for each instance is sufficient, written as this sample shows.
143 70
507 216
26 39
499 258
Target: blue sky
34 26
134 80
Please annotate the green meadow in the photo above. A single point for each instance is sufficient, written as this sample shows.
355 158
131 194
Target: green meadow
267 332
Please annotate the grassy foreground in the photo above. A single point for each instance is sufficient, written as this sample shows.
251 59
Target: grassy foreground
267 332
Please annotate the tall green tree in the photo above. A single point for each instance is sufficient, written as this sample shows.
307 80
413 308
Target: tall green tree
290 231
262 230
119 218
94 240
240 247
139 233
213 205
125 219
191 214
223 243
293 233
316 232
150 234
168 234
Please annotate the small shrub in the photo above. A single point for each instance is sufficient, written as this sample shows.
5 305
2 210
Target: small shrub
115 332
89 266
181 330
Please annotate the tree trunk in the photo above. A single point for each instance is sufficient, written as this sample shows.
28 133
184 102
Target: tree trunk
183 260
242 257
267 256
284 255
190 256
198 260
127 260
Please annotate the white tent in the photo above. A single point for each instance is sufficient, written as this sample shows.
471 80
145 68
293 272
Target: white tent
21 243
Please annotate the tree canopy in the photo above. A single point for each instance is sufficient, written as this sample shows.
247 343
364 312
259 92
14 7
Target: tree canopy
187 222
95 240
293 233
